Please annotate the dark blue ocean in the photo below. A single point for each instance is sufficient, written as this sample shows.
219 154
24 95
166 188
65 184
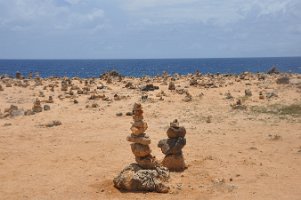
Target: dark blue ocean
142 67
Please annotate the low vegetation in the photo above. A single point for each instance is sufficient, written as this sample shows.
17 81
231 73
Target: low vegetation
279 109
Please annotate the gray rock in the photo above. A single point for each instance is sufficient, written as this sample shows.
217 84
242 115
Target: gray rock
172 146
134 178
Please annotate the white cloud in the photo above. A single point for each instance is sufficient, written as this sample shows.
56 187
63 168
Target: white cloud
200 11
48 14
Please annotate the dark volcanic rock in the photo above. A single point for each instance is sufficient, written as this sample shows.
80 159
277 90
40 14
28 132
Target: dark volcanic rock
172 146
134 178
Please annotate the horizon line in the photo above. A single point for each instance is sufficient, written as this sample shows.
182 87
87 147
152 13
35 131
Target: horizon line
171 58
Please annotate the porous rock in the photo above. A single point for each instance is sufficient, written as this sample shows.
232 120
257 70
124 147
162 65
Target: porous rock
134 178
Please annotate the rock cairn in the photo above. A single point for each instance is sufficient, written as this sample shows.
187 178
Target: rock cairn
37 106
145 174
172 147
140 146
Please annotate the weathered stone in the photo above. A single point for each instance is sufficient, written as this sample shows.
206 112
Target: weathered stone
174 123
46 107
171 86
149 87
140 150
50 99
137 117
248 92
174 162
172 146
28 112
175 132
283 80
53 123
145 140
37 106
140 124
16 113
134 178
148 162
18 75
139 127
137 106
119 114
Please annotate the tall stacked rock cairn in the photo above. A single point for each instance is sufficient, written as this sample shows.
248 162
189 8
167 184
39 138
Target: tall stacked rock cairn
172 147
146 175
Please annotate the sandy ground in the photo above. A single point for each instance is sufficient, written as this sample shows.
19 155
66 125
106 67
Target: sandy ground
236 154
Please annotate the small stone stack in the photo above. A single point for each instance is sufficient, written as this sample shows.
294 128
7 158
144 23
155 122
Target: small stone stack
18 75
37 106
140 145
1 88
64 86
146 174
172 147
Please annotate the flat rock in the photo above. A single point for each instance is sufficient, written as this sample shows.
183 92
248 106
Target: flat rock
140 150
134 178
145 140
148 162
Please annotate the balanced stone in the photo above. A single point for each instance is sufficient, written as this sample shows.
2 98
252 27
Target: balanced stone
175 132
172 146
148 162
137 117
146 174
139 130
145 140
174 162
140 150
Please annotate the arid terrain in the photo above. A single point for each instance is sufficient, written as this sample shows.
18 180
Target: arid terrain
243 135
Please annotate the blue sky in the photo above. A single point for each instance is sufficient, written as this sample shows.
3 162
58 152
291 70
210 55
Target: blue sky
149 28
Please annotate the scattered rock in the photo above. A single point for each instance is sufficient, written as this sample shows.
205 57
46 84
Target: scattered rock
46 107
171 86
37 106
283 80
53 123
119 114
248 93
149 87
